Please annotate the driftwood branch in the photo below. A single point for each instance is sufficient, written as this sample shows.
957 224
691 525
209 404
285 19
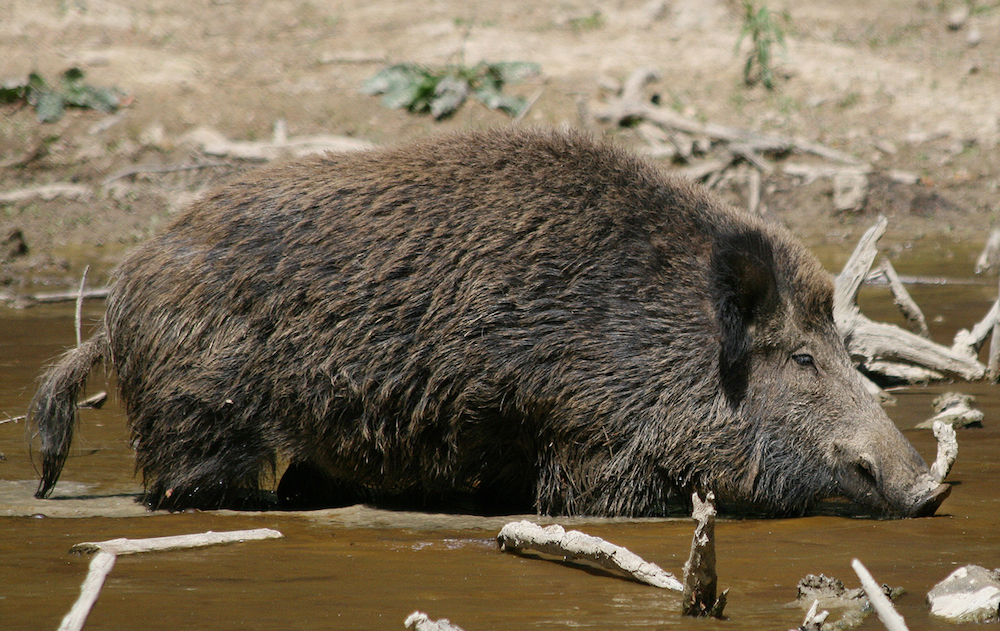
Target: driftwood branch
969 342
29 300
854 273
419 621
105 553
993 362
100 567
160 544
879 601
577 548
954 409
904 301
873 342
947 450
631 106
814 618
213 143
990 257
159 170
700 580
90 403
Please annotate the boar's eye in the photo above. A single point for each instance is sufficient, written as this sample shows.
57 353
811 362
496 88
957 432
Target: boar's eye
804 359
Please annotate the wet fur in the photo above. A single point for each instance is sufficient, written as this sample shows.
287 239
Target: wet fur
532 319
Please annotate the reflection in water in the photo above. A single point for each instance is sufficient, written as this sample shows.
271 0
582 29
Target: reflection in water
359 568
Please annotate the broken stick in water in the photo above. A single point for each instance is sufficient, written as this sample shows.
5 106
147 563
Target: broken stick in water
879 601
419 621
575 547
700 580
947 450
813 620
108 551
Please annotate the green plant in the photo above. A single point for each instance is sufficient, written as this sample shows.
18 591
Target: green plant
764 31
440 92
585 23
50 102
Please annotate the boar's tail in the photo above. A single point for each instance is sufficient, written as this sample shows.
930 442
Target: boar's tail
52 413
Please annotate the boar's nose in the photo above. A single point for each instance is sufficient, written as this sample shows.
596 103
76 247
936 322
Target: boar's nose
927 505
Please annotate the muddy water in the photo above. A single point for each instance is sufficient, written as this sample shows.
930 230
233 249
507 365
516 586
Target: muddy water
360 568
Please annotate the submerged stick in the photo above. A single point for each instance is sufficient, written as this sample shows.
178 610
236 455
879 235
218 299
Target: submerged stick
100 566
159 544
880 602
575 547
700 580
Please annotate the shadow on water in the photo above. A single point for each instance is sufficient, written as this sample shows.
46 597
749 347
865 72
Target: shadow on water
364 568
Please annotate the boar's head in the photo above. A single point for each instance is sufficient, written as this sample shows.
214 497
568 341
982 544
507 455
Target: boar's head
812 429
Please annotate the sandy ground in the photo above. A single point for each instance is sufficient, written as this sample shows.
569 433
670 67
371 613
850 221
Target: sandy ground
890 83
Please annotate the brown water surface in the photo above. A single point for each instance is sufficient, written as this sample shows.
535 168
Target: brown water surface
361 568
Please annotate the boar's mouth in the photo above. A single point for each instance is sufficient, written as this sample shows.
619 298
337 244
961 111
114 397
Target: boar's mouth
928 505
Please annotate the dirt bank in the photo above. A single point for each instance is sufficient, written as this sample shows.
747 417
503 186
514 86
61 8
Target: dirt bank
890 83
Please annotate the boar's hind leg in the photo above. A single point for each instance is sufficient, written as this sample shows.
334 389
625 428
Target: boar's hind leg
194 456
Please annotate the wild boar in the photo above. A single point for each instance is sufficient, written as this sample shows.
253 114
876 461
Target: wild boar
524 318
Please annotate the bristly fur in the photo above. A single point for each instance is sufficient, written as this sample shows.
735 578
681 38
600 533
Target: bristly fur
530 319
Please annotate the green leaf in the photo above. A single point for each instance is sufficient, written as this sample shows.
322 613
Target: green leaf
49 107
442 91
496 100
105 100
449 94
37 83
72 76
13 90
514 71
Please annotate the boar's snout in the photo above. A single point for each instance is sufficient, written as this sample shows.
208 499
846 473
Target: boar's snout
928 504
891 487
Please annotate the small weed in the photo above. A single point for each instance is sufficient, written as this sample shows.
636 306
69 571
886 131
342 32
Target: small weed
849 100
764 31
440 92
586 23
737 101
50 102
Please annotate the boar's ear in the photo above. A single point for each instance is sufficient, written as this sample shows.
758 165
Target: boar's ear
745 293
